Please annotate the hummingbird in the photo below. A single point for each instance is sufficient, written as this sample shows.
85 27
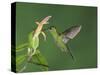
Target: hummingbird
63 38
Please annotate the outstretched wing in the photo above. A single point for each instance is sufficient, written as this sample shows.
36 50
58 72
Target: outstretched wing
70 33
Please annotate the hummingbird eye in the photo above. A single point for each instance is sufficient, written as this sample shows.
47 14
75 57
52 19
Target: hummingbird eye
51 27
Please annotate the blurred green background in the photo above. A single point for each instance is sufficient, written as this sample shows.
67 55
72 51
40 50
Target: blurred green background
83 46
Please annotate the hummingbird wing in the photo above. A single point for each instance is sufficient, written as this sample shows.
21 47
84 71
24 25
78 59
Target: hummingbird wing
70 33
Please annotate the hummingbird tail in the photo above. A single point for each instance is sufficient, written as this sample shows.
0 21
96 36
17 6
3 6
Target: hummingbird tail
70 52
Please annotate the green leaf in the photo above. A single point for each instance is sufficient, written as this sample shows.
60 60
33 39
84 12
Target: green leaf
21 47
43 61
30 39
22 69
40 60
33 41
20 59
21 63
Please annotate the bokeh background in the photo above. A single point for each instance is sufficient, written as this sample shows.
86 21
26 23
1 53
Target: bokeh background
83 46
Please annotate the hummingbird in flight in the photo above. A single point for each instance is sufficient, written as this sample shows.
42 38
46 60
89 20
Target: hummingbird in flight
63 38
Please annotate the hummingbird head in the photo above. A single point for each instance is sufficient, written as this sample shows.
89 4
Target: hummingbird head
53 31
52 28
